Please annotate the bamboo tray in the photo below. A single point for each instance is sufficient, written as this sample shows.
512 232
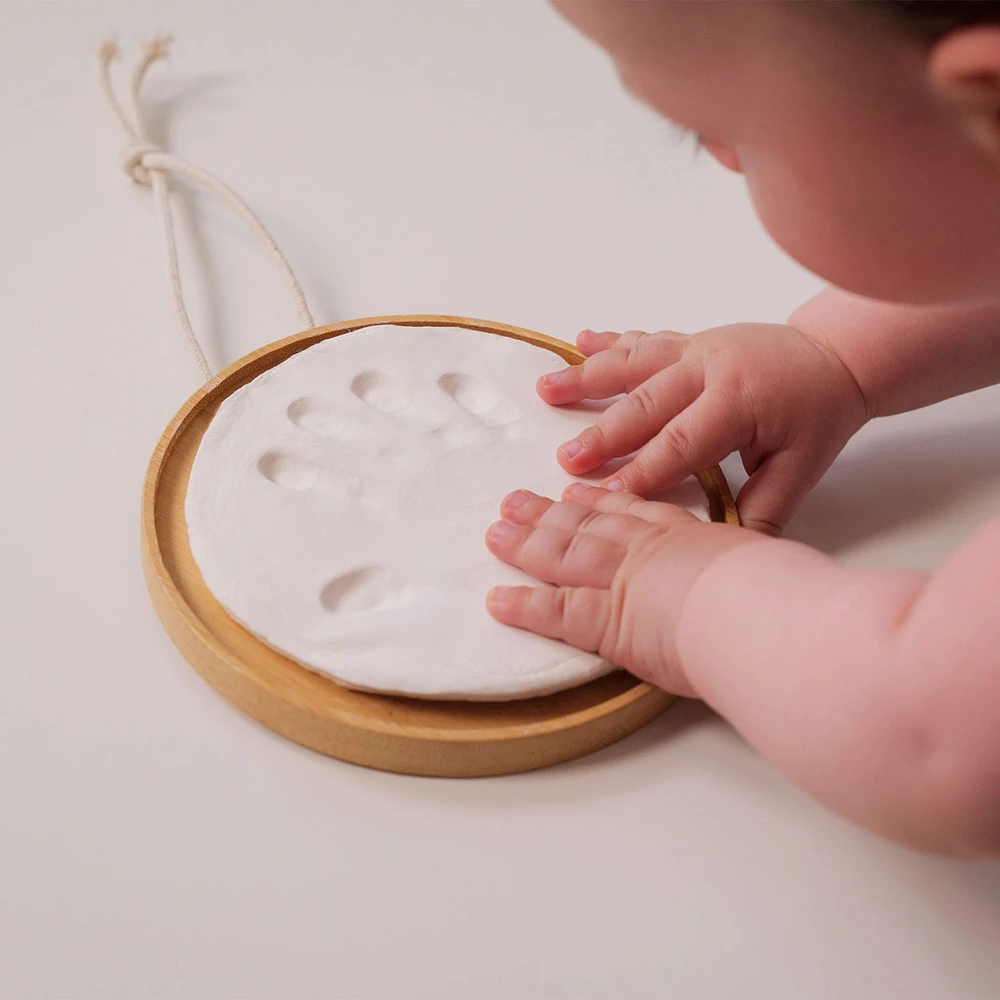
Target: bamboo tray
408 736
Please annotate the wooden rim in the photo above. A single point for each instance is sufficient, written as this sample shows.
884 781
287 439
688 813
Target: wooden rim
388 732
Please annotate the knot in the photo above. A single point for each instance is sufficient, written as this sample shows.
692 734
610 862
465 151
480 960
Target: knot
132 161
157 48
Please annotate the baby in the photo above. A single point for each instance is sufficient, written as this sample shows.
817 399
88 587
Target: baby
869 136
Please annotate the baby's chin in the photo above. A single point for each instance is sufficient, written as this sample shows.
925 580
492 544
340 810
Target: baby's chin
894 279
873 266
886 256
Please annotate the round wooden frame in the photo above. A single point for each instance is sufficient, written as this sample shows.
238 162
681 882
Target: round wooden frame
408 736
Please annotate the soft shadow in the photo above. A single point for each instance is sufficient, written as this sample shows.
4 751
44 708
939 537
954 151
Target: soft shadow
598 776
196 213
309 267
683 716
164 97
965 894
160 108
895 482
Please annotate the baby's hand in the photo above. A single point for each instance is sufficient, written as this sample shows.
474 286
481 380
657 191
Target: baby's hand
780 397
621 568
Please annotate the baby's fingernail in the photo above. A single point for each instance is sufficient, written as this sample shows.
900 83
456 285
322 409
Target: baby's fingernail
501 531
571 449
577 490
614 485
517 499
498 597
554 378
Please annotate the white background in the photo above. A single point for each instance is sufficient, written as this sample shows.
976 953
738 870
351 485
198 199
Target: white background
469 158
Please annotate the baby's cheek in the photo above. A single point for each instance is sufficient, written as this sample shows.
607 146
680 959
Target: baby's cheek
854 228
809 228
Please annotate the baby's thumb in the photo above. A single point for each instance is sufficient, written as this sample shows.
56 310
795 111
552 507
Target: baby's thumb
772 494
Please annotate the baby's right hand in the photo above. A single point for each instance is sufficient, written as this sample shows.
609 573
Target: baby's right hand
780 397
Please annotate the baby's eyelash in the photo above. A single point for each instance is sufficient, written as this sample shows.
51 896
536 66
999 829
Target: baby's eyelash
679 134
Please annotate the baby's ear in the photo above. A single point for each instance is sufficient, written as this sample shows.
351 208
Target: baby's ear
964 73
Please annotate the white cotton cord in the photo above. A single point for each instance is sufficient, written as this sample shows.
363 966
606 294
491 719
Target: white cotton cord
148 165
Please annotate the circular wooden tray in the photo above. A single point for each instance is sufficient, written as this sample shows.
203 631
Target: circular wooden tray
446 739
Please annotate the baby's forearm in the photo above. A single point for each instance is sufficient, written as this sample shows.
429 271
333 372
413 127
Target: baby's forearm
877 692
906 357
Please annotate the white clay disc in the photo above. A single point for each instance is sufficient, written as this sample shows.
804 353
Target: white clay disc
338 503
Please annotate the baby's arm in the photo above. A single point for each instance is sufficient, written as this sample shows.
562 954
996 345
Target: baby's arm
787 397
906 357
878 692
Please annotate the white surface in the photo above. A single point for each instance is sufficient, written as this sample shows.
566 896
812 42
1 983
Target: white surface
337 506
155 842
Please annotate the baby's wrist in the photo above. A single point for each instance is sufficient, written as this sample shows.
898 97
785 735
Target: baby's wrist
692 614
858 397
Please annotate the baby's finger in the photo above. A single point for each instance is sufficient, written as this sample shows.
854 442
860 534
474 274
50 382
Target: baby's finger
700 436
621 368
630 422
565 558
577 615
651 511
530 510
590 342
602 341
771 495
526 509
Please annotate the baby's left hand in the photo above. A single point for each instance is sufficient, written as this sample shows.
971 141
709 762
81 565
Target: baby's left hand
621 568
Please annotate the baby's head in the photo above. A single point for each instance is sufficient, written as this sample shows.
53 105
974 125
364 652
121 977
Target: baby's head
868 133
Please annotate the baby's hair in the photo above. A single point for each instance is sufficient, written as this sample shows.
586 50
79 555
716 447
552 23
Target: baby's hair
932 19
